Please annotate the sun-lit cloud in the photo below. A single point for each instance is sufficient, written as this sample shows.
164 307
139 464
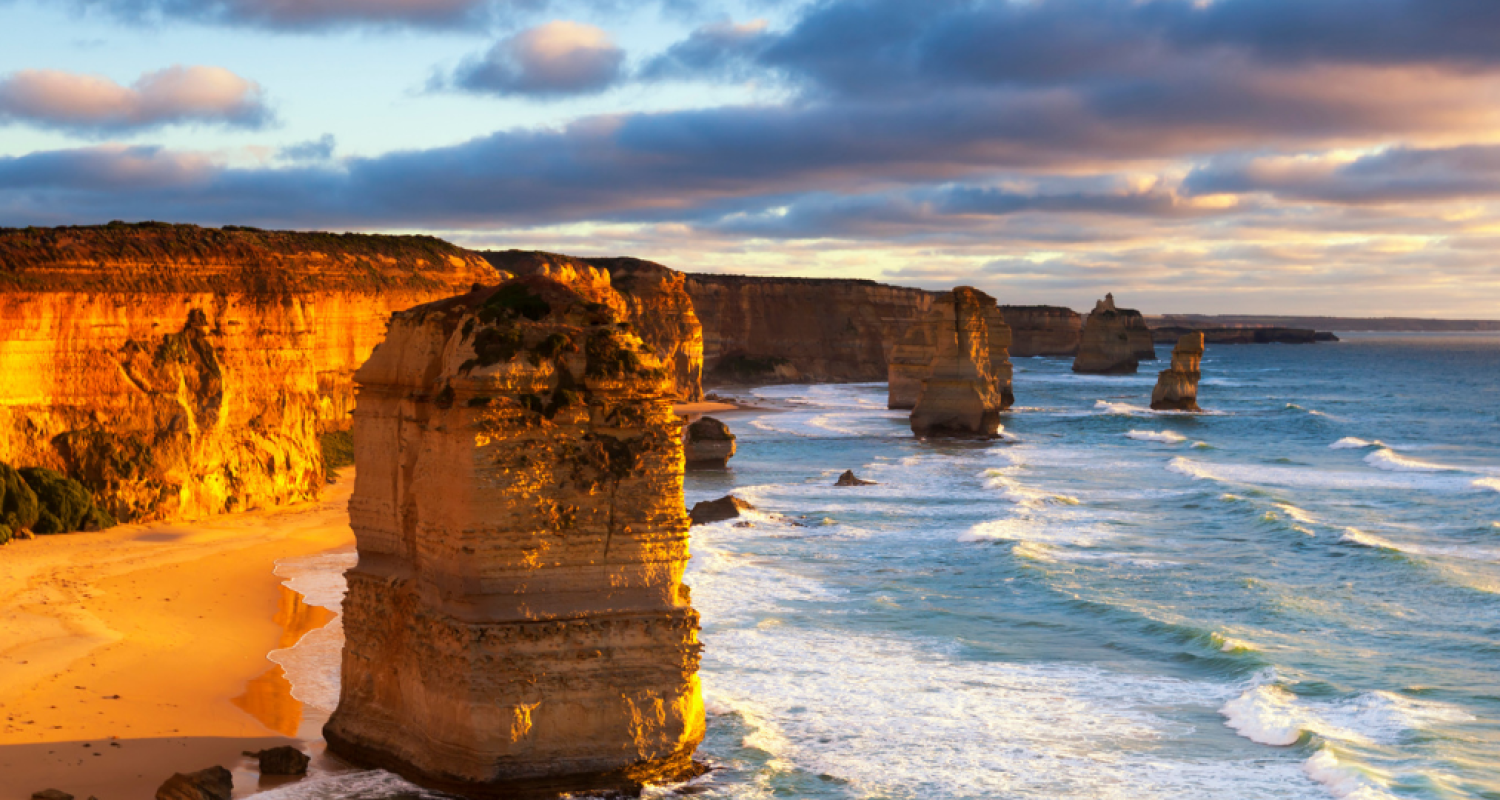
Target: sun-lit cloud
91 104
555 59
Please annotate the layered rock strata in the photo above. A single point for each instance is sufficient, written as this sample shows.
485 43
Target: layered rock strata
962 396
1114 340
1177 387
517 625
769 330
1246 335
180 371
914 358
708 443
654 297
1043 330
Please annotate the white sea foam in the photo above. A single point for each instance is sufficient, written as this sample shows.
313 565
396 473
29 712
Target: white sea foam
1470 552
349 785
1307 477
312 664
1487 483
1126 409
1345 781
1353 443
1021 495
1269 714
1168 437
1392 461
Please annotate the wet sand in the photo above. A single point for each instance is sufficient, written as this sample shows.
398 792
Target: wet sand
133 653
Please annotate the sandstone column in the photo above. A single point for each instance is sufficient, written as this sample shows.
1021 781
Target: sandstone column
1114 340
1177 388
517 625
961 398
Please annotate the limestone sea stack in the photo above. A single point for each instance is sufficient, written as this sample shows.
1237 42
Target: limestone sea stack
708 443
1177 388
962 396
517 624
1114 340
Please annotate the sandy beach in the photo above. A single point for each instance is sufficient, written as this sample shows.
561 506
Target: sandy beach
140 651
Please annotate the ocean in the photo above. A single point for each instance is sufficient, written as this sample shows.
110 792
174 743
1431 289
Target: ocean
1295 595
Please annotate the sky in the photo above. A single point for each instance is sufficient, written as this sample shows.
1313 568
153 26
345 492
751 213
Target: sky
1333 157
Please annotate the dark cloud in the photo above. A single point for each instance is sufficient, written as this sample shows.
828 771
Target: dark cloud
312 14
319 149
93 105
717 51
1395 175
556 59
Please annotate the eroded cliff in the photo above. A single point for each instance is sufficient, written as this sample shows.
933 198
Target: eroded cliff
770 330
1177 386
180 371
517 624
1043 330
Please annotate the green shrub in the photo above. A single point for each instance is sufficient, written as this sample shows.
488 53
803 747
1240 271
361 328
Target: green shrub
494 345
511 299
66 506
18 504
338 451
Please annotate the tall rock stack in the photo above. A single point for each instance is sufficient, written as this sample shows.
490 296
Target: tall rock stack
911 361
962 396
517 623
1000 366
1114 340
1177 388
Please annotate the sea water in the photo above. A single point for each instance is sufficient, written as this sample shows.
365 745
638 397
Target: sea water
1296 595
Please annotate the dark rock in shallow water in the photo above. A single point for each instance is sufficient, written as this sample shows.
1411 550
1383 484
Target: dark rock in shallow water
51 794
727 507
708 443
214 783
850 479
286 760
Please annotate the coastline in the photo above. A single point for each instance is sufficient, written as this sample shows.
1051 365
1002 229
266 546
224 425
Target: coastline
140 651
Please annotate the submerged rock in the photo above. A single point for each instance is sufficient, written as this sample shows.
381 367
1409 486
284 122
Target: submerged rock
1114 340
850 479
214 783
517 624
710 511
708 443
1177 387
284 760
51 794
963 396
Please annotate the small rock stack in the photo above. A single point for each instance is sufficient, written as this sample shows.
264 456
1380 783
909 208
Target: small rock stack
1177 388
1114 341
708 443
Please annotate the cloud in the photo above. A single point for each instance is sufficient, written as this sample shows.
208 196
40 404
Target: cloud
94 105
717 51
319 149
557 59
312 14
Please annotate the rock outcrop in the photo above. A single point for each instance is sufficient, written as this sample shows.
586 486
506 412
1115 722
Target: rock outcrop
962 396
1177 387
214 783
517 624
727 507
284 760
850 479
781 330
654 297
1114 340
708 443
1043 330
1246 335
911 362
179 371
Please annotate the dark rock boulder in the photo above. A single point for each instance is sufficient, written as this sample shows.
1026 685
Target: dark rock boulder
19 508
51 794
65 504
708 443
727 507
285 760
214 783
850 479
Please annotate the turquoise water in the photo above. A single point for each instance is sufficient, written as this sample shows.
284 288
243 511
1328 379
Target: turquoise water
1294 596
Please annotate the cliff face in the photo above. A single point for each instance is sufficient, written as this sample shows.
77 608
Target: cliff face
1177 387
1114 340
911 362
800 329
962 396
1043 330
653 297
1245 335
517 624
179 371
